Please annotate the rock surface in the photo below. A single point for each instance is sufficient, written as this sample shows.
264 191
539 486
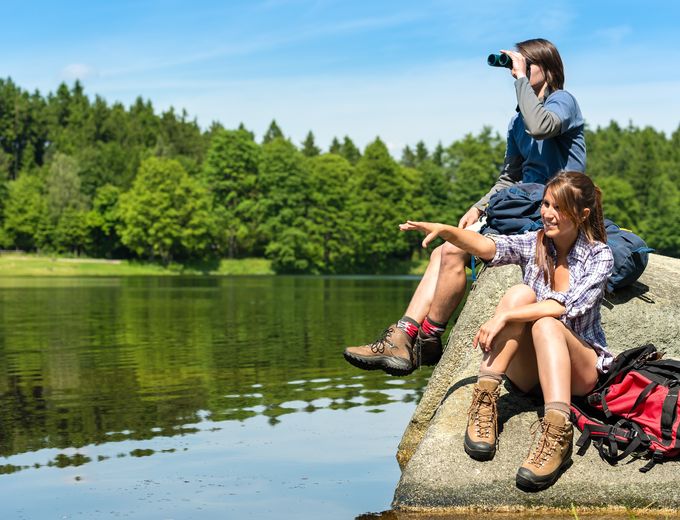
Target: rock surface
436 472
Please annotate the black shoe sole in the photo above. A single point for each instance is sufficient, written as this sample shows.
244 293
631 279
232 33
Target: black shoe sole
393 366
477 454
431 360
532 483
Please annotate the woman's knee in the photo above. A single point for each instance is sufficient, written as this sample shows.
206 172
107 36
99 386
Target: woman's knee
545 327
517 295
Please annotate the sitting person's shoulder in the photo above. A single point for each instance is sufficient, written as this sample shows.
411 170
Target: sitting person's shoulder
599 251
561 96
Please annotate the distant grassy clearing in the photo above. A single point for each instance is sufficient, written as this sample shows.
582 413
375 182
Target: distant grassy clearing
12 264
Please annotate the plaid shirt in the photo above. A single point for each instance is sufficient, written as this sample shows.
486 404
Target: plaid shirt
589 266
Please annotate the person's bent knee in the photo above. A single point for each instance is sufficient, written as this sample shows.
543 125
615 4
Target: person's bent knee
546 326
520 294
452 256
436 254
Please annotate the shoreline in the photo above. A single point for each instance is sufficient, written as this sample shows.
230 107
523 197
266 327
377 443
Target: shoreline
19 264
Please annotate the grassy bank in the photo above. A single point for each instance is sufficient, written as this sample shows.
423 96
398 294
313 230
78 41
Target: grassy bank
33 265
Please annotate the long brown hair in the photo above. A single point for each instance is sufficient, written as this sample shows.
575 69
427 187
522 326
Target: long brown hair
544 54
573 192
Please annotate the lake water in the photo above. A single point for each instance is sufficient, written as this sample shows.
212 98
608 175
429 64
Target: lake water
178 398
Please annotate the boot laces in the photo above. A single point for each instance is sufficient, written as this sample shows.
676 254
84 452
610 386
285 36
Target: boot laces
378 346
418 350
483 412
548 441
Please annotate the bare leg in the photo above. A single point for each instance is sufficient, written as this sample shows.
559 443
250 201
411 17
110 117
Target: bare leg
513 353
566 364
422 297
442 294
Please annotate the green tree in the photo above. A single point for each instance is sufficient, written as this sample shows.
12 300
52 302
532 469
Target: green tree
335 147
166 215
473 164
309 148
103 222
619 202
329 227
349 151
283 207
422 154
438 155
382 200
231 173
408 158
66 206
26 215
273 132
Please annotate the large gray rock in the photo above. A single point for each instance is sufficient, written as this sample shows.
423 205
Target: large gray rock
436 472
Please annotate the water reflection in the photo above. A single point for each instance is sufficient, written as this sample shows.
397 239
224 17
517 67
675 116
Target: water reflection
89 364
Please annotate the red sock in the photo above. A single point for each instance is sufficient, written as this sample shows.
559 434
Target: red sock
433 328
409 326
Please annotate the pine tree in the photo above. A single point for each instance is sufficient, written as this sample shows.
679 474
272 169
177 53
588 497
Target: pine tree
349 151
273 132
408 158
335 147
309 148
422 154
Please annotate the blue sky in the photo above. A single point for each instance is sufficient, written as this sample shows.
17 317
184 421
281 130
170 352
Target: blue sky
400 70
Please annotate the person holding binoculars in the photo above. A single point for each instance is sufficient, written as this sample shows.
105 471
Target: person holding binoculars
545 136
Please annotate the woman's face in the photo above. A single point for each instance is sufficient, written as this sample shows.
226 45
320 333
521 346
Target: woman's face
536 77
555 223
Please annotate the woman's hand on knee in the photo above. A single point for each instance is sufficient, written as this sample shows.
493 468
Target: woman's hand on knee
487 333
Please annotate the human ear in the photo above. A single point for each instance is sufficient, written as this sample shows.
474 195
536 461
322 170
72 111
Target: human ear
586 214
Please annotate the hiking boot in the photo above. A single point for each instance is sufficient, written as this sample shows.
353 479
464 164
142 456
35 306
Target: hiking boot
391 352
481 434
428 347
550 456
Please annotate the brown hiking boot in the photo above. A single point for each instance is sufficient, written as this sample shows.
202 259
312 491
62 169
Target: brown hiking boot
481 434
550 456
391 352
428 348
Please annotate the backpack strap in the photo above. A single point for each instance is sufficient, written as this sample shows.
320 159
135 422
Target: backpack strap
624 362
639 438
643 395
657 458
669 413
666 371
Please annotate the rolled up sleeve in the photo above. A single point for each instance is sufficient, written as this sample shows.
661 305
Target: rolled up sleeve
513 249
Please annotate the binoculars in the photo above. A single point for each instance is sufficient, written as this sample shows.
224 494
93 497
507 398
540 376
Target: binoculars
499 60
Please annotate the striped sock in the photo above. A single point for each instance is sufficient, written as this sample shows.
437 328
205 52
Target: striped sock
409 326
433 328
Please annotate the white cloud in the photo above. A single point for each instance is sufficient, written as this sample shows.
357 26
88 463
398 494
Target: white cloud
76 71
614 35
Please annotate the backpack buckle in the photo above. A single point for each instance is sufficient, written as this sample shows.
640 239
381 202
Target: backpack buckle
594 399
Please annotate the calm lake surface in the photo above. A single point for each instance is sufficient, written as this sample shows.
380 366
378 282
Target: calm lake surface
177 398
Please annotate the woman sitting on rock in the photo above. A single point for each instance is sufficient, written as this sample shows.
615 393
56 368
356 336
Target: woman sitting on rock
546 331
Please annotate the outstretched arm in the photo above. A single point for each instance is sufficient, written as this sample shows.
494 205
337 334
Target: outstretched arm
468 241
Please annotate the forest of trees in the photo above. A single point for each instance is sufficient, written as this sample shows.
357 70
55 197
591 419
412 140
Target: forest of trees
79 176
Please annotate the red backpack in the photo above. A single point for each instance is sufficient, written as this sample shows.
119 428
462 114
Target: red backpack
633 410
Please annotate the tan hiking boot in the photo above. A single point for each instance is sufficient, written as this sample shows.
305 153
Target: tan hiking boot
550 456
391 352
481 434
428 348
